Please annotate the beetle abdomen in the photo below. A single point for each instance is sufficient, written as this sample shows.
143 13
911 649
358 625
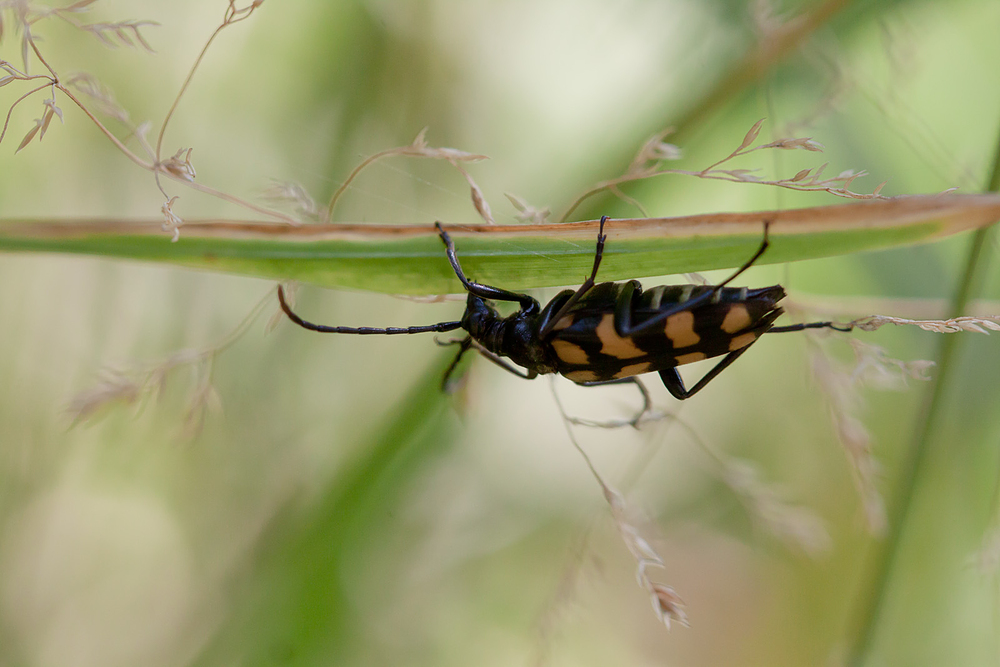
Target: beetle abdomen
591 344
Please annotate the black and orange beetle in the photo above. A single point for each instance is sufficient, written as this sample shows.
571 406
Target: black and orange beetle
609 332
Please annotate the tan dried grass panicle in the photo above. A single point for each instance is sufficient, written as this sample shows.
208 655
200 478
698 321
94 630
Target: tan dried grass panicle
841 383
120 33
796 526
667 605
128 33
419 148
526 212
102 96
981 325
649 162
142 381
294 194
872 366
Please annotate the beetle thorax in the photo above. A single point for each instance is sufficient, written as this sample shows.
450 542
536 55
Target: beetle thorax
514 336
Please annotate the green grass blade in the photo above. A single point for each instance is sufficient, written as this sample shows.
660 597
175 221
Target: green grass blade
408 259
292 607
925 436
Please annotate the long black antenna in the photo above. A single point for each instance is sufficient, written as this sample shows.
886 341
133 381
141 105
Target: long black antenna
439 327
836 326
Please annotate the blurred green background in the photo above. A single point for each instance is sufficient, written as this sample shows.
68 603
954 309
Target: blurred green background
336 508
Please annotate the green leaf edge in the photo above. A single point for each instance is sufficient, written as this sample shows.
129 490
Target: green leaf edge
411 260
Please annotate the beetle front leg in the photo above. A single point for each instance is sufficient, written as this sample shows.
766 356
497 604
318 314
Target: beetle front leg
528 304
464 346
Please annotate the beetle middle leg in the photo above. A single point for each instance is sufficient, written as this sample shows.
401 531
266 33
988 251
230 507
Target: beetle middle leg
623 324
647 403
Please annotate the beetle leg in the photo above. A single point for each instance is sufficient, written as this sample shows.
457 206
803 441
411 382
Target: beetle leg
750 262
528 304
662 316
464 346
503 363
675 385
647 402
623 307
552 307
584 288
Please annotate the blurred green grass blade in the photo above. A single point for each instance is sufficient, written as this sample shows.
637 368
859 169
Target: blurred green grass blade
293 607
409 259
930 438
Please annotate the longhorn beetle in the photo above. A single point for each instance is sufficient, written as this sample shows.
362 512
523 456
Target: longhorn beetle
609 332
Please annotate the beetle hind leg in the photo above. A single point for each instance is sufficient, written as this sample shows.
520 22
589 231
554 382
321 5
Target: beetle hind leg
764 245
625 327
675 384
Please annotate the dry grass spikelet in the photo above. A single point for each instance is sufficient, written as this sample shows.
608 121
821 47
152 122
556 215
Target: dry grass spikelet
113 386
796 526
667 605
650 159
526 212
654 152
981 325
294 194
987 559
421 149
121 33
841 384
102 96
179 165
171 221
